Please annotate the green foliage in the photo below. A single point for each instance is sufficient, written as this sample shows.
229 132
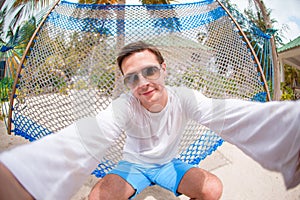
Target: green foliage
270 87
200 78
2 16
287 92
105 81
6 85
257 18
5 88
292 75
15 45
292 79
23 10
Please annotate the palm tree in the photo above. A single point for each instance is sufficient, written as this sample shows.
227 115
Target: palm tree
17 40
22 10
258 20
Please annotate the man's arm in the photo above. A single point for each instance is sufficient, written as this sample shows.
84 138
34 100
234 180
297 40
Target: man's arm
268 132
56 166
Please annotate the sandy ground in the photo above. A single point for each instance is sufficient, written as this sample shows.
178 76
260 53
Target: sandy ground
243 178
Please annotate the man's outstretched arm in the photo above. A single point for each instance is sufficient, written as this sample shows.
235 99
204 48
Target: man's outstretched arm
267 132
56 166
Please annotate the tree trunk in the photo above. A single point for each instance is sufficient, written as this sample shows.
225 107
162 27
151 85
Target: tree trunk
276 86
277 92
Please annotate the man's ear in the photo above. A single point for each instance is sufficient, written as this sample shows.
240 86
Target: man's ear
164 68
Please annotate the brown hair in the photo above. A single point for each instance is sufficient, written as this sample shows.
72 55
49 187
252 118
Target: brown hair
137 47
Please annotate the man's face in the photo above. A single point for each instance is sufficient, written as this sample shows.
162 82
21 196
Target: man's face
150 92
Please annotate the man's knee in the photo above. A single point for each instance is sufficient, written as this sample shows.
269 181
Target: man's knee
99 191
200 184
111 187
212 188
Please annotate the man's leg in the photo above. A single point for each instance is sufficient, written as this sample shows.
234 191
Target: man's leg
200 184
10 188
111 186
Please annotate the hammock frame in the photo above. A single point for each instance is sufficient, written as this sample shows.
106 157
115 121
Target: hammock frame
246 67
11 100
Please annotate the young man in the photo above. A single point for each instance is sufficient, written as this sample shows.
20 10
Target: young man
157 120
154 116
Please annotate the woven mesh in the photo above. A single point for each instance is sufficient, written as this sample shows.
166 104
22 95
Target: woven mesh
70 71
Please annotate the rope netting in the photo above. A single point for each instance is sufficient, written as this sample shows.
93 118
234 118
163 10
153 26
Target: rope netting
260 42
70 71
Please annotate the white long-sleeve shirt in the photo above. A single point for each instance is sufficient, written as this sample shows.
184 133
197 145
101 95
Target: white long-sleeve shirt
56 166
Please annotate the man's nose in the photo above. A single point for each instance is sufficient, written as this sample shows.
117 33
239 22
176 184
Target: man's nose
142 81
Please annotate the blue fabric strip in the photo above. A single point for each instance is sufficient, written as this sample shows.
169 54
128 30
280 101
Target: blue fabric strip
28 128
118 6
152 26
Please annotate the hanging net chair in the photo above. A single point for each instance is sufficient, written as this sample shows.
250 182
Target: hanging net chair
70 71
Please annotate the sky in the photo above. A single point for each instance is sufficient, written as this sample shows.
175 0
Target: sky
286 12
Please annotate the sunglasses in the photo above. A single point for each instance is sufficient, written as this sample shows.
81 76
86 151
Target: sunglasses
149 73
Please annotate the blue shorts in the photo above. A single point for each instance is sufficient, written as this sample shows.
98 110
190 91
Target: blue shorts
140 176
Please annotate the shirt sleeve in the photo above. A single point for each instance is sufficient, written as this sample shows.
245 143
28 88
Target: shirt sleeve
56 166
268 132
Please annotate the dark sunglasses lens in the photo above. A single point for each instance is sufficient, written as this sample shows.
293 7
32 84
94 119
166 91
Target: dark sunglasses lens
151 73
